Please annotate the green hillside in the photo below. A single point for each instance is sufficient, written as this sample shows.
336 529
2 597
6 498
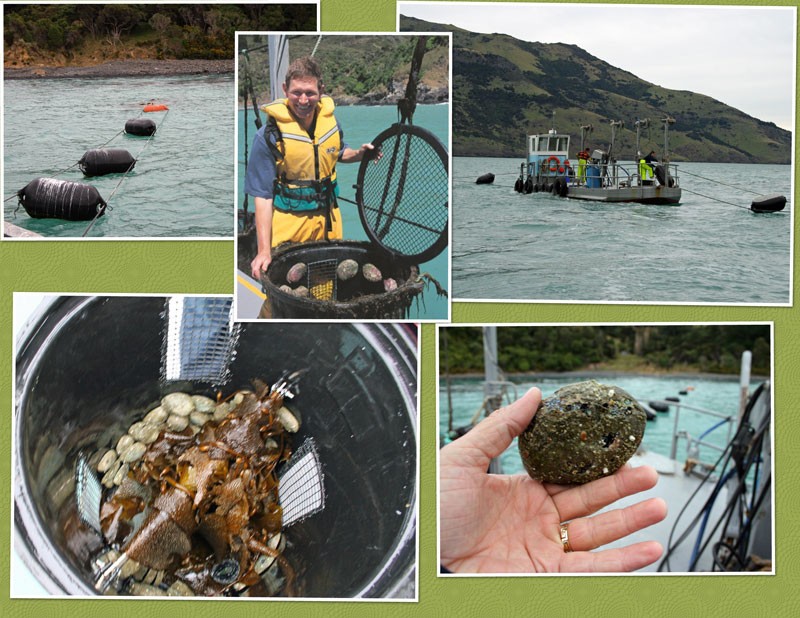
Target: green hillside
504 88
359 68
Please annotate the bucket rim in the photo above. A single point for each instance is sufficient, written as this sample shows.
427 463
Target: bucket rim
391 341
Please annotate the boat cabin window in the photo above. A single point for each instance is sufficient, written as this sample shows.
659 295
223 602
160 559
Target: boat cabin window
548 143
551 143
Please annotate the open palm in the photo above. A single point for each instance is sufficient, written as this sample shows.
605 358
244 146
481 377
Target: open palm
510 523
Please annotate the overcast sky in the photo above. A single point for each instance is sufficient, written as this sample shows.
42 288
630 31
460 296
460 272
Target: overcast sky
744 57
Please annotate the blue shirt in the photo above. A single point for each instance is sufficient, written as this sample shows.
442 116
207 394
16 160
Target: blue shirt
259 181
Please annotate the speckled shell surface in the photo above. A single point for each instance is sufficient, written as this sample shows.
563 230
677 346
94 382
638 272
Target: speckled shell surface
582 432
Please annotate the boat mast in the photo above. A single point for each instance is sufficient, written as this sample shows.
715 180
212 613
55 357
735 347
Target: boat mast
667 121
639 124
492 387
585 130
744 382
278 63
614 125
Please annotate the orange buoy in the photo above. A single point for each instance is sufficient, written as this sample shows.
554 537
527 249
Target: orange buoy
152 107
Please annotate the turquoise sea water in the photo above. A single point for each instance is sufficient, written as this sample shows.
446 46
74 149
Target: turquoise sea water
182 185
719 395
361 124
511 246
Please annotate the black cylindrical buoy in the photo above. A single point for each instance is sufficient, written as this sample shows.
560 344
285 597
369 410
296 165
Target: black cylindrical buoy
768 203
50 198
101 161
485 179
140 126
518 185
528 185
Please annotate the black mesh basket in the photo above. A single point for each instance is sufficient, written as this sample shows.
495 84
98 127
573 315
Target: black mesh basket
328 296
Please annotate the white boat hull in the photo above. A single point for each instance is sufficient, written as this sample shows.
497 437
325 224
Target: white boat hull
641 195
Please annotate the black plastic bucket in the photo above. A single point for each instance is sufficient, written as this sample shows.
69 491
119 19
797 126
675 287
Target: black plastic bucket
88 367
355 298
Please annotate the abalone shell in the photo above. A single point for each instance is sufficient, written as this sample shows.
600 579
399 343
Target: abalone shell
582 432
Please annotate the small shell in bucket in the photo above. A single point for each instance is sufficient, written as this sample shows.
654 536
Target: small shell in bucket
371 273
296 273
389 284
347 269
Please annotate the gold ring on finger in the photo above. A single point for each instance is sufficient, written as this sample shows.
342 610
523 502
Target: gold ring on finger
565 538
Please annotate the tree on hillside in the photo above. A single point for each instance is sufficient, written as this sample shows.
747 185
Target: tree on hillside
119 19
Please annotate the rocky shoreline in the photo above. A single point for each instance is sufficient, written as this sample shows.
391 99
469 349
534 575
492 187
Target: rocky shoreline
123 68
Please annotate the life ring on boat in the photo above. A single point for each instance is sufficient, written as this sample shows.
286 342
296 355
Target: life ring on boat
152 107
553 162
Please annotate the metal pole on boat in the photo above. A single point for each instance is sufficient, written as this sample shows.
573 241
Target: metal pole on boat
744 381
614 125
278 63
667 121
491 371
585 129
492 392
639 124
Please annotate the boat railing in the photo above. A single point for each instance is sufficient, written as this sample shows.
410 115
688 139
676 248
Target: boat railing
693 444
616 174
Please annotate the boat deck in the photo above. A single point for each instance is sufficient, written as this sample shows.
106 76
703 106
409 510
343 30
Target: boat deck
675 487
249 296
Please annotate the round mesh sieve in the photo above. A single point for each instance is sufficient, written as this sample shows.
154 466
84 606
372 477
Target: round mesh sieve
403 196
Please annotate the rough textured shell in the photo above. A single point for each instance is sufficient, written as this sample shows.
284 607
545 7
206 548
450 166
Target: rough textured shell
582 432
371 273
347 269
296 273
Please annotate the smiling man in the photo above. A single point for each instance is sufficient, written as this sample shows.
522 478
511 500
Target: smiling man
292 171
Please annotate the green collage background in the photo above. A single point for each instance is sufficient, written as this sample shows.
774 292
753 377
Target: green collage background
165 267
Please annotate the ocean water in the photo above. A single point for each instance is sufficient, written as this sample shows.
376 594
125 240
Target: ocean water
362 124
182 185
719 395
709 249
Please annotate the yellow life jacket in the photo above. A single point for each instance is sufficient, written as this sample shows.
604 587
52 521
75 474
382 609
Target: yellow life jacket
306 165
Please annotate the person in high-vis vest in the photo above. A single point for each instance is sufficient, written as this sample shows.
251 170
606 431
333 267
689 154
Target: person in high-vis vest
291 173
646 167
583 158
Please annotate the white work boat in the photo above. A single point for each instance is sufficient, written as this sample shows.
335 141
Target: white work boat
597 175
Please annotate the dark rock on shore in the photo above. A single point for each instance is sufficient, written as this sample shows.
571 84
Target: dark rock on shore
425 96
125 68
